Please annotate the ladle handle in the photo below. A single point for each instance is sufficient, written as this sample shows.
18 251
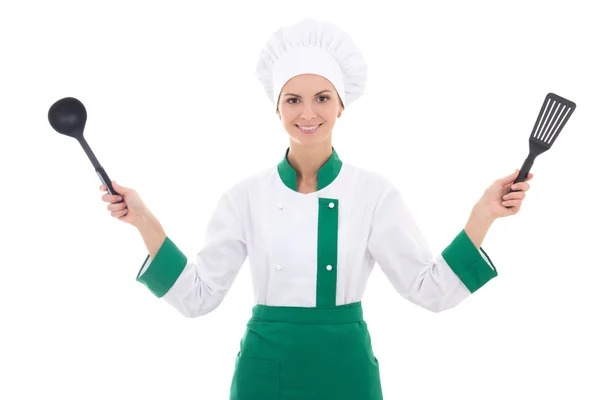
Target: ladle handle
106 181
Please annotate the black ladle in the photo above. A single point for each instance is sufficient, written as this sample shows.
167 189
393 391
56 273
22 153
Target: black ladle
68 116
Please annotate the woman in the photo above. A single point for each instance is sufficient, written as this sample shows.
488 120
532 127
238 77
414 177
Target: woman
313 228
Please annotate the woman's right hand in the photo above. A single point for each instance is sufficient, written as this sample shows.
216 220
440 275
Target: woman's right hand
131 210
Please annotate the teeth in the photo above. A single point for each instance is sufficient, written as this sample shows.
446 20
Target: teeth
308 128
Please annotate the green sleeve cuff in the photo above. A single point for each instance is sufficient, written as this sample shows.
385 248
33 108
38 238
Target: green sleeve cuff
467 262
164 269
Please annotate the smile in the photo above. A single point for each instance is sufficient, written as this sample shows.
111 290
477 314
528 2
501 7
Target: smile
308 128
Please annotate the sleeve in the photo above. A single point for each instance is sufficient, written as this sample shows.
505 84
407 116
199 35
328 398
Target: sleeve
196 288
398 247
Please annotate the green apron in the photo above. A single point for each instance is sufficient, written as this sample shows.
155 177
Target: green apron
304 353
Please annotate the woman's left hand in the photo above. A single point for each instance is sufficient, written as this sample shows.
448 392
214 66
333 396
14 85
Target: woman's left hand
497 202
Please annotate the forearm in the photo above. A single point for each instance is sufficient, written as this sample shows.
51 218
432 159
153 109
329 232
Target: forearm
478 225
152 233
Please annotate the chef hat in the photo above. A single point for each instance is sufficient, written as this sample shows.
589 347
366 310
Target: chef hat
312 47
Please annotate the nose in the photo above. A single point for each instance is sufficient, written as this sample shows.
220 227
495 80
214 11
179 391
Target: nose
307 111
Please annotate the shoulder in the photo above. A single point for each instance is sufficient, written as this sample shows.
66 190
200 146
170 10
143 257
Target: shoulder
368 180
240 189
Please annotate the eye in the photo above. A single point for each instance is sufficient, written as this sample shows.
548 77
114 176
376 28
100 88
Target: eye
295 100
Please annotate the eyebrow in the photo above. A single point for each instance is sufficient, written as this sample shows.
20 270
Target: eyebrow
322 91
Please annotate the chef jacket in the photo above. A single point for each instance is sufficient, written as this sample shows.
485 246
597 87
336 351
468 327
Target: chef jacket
316 249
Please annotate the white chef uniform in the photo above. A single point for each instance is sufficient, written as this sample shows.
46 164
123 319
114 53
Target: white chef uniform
276 228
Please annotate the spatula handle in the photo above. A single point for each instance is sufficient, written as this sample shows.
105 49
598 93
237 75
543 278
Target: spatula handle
524 171
106 181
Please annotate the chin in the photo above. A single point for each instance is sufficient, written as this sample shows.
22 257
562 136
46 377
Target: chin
309 140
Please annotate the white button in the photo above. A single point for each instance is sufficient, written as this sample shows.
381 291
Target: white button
329 267
280 206
331 205
278 267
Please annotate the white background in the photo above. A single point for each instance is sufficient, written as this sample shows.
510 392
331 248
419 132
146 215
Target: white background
176 112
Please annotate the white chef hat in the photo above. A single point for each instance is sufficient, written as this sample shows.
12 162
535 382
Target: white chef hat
312 47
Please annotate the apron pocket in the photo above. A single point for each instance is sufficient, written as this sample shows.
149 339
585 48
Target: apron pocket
255 379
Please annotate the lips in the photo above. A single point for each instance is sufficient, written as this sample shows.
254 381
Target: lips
308 131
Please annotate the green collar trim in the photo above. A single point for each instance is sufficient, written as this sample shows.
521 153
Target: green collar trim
327 173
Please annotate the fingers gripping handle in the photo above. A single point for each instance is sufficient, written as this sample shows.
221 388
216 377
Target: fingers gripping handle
106 181
524 171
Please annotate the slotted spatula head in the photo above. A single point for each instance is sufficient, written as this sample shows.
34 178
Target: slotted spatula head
553 116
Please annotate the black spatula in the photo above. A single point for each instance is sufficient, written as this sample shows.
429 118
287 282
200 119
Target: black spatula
553 116
68 116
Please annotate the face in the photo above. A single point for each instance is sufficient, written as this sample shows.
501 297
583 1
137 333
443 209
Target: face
307 101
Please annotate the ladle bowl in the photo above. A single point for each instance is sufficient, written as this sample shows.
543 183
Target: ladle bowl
68 117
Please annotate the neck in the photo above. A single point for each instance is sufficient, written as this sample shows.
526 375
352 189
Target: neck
307 160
